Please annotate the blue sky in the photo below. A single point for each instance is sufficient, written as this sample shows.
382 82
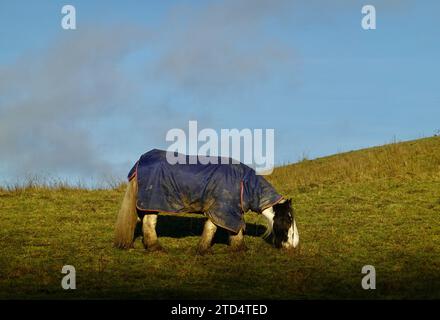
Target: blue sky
84 104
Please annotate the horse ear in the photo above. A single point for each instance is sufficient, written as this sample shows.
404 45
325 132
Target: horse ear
290 201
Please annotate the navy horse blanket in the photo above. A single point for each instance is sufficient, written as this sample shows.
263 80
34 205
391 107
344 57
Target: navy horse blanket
224 192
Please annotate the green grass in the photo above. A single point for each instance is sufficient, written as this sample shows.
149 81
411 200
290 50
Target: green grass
378 206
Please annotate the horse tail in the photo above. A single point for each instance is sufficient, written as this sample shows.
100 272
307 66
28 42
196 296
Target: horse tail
127 217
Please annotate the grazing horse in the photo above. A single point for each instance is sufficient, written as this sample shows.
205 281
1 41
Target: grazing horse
217 187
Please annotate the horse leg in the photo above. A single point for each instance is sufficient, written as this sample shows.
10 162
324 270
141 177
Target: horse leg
149 229
236 241
208 234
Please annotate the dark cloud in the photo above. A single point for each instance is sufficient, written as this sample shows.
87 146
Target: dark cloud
47 95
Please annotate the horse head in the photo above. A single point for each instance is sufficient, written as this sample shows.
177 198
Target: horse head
282 224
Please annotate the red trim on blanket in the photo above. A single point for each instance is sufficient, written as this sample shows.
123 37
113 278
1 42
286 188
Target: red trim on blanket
262 209
272 204
180 212
134 173
151 210
241 196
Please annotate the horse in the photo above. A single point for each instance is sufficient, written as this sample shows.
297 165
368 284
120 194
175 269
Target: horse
220 188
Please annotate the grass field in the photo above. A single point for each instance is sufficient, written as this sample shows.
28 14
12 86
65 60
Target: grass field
378 206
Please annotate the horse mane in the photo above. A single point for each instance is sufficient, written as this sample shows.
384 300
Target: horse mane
282 222
269 223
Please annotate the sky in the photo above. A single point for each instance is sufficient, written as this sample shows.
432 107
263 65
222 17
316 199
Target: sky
82 105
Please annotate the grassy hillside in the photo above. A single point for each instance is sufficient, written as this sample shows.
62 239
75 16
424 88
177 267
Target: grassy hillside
379 206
